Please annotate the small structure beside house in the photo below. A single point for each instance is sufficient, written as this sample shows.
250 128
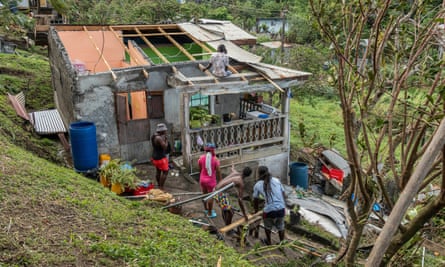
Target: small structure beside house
128 78
271 25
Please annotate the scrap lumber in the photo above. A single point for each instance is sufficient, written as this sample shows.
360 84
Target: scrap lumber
185 201
251 219
218 191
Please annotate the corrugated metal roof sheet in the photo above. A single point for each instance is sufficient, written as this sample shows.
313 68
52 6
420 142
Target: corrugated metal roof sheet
47 122
275 44
230 31
236 52
212 30
200 33
275 72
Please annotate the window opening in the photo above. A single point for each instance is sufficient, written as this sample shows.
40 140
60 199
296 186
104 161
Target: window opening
136 105
198 100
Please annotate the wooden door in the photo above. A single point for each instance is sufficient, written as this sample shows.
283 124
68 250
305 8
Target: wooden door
132 117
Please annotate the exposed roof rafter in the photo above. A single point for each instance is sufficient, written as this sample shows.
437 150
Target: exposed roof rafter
210 51
127 50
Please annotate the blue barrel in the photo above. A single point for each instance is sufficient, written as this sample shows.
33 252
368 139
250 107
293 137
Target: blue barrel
84 146
299 174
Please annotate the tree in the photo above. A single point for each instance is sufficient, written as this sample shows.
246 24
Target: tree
388 75
121 12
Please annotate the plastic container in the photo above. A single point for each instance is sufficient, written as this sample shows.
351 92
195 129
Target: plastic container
336 174
84 146
298 173
104 159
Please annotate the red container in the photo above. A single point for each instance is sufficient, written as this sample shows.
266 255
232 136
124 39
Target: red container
143 190
336 174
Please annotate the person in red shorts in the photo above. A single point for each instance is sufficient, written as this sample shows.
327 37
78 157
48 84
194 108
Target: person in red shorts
209 175
159 156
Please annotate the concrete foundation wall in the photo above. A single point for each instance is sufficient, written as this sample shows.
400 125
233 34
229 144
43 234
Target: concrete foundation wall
278 166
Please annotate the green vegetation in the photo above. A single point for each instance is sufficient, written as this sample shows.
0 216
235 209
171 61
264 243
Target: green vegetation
55 217
41 197
28 73
317 121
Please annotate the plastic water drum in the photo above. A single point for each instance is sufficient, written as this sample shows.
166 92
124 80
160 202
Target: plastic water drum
299 174
84 146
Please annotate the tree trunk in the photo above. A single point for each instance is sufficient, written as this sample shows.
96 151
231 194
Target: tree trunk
428 212
411 189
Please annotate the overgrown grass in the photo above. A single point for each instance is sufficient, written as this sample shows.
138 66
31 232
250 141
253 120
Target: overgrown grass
28 73
317 120
56 217
53 214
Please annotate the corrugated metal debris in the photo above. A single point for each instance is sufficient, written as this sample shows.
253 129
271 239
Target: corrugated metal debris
47 122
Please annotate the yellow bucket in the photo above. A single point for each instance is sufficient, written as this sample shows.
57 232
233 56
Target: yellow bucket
104 159
116 188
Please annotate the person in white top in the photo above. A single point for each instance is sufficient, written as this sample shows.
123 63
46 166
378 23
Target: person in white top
219 62
272 191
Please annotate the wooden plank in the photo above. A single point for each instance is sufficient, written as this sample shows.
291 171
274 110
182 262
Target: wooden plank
184 51
152 34
267 78
152 47
210 51
19 108
251 219
147 27
228 78
127 50
64 142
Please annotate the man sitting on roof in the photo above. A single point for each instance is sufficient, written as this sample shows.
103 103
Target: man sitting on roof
219 62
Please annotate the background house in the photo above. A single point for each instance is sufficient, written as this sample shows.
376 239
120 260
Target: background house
271 25
128 78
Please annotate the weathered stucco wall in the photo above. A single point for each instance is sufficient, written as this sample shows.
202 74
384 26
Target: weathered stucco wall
92 98
63 77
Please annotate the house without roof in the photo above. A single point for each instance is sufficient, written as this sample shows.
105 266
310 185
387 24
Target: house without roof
128 78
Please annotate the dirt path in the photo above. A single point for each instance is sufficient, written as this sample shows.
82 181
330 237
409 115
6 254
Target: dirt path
183 188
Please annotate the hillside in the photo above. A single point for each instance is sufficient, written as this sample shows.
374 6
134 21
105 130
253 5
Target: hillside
53 216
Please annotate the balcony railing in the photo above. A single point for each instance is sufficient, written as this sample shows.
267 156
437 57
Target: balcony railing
239 134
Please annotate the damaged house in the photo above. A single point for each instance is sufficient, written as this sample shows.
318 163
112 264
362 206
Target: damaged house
128 78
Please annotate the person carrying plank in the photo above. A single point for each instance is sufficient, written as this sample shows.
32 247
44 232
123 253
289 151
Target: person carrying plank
222 198
271 189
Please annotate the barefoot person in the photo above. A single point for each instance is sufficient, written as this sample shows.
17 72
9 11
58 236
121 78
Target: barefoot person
210 174
219 62
222 198
159 157
271 189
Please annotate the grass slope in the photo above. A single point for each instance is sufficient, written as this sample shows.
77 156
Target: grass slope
52 216
56 217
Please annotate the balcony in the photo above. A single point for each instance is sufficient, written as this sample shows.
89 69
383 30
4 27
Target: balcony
240 140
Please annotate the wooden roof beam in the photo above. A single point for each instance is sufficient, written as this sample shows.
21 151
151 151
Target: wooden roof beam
127 50
145 27
210 51
183 50
173 41
152 47
152 34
